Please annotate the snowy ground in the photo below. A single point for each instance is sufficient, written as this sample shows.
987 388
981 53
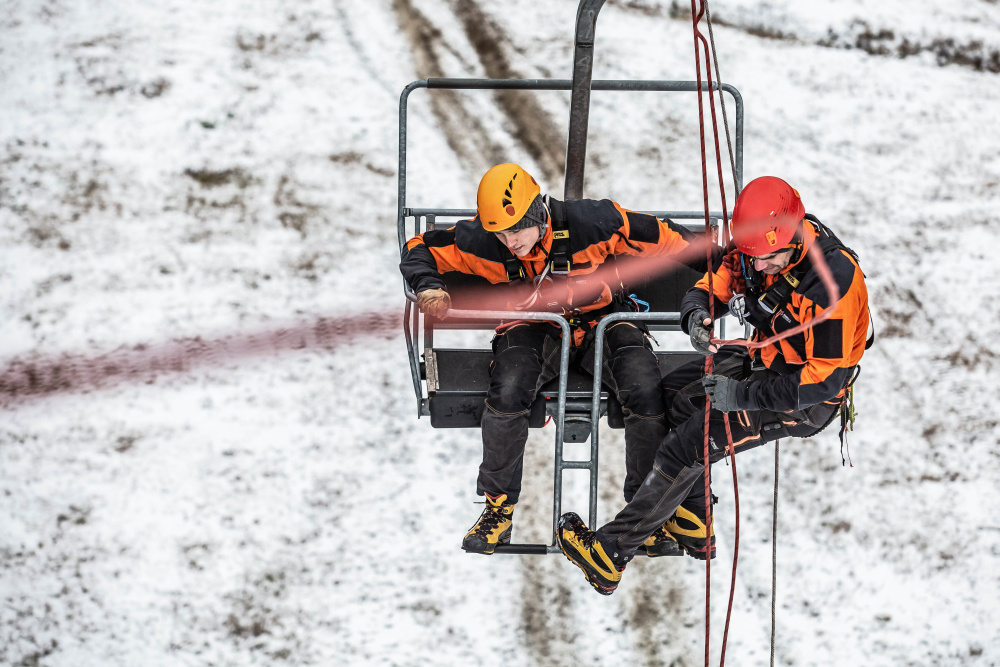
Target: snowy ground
199 192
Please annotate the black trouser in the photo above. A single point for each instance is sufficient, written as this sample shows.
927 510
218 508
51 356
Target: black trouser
525 357
680 459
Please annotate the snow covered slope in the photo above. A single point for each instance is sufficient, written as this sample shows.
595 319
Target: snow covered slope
198 467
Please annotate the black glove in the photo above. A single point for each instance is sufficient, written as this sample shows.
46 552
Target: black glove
721 390
701 334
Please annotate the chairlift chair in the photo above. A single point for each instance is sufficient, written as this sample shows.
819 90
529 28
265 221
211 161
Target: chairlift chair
450 384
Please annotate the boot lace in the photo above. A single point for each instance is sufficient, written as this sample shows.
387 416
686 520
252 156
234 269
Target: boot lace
488 522
586 536
662 534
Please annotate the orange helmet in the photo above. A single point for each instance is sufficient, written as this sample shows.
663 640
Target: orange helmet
505 193
766 216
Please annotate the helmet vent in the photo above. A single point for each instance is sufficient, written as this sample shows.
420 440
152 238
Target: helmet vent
506 202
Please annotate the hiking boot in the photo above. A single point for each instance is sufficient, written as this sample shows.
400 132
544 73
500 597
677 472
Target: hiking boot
662 543
580 545
494 526
688 528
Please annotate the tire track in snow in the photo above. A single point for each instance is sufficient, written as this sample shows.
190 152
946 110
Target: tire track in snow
540 135
465 133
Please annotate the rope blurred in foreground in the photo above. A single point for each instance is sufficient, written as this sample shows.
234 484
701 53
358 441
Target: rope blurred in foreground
32 376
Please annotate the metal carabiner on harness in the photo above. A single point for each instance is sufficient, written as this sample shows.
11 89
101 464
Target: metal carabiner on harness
642 306
738 308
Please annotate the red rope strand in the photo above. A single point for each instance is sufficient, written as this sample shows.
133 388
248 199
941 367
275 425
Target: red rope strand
736 546
695 18
709 520
701 46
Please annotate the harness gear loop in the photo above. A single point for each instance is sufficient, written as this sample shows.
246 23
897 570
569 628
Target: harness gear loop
848 415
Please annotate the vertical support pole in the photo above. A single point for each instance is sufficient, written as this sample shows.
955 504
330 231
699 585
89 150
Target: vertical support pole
579 106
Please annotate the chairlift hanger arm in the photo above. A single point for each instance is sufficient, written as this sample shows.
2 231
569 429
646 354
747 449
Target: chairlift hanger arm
579 107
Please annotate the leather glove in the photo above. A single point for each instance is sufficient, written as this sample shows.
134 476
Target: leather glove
721 390
701 334
434 302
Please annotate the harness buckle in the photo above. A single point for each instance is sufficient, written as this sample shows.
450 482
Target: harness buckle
572 316
777 296
561 266
773 302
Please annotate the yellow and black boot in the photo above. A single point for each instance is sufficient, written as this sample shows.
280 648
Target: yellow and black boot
662 543
580 545
494 526
688 528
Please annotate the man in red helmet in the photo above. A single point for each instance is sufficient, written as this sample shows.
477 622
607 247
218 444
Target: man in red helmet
525 239
789 388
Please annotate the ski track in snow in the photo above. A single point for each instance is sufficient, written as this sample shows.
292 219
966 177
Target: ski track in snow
177 179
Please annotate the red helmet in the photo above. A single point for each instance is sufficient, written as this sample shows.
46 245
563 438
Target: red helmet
766 216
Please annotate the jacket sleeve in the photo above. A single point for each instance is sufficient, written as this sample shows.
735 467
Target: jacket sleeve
646 235
698 296
429 255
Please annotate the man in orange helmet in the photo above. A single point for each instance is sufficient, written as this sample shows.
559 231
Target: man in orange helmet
789 388
522 238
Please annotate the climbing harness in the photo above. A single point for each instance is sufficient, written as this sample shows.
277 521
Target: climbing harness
760 305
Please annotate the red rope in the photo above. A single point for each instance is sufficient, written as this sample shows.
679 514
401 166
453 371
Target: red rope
695 18
698 37
826 276
736 546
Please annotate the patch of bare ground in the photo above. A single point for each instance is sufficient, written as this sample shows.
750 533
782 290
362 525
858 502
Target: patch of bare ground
535 129
465 132
972 54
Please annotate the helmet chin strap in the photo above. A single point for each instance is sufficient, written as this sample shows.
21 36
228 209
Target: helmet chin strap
797 243
544 224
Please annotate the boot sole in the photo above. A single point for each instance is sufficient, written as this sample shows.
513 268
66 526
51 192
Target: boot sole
596 586
474 545
695 550
672 550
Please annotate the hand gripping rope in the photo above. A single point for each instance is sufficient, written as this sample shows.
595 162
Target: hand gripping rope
699 8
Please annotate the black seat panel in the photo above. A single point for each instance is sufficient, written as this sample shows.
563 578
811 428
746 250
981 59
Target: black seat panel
459 380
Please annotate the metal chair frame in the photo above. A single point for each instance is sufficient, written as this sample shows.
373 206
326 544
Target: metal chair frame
426 218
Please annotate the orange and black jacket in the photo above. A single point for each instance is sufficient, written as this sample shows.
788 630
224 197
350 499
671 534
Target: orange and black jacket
816 364
597 230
